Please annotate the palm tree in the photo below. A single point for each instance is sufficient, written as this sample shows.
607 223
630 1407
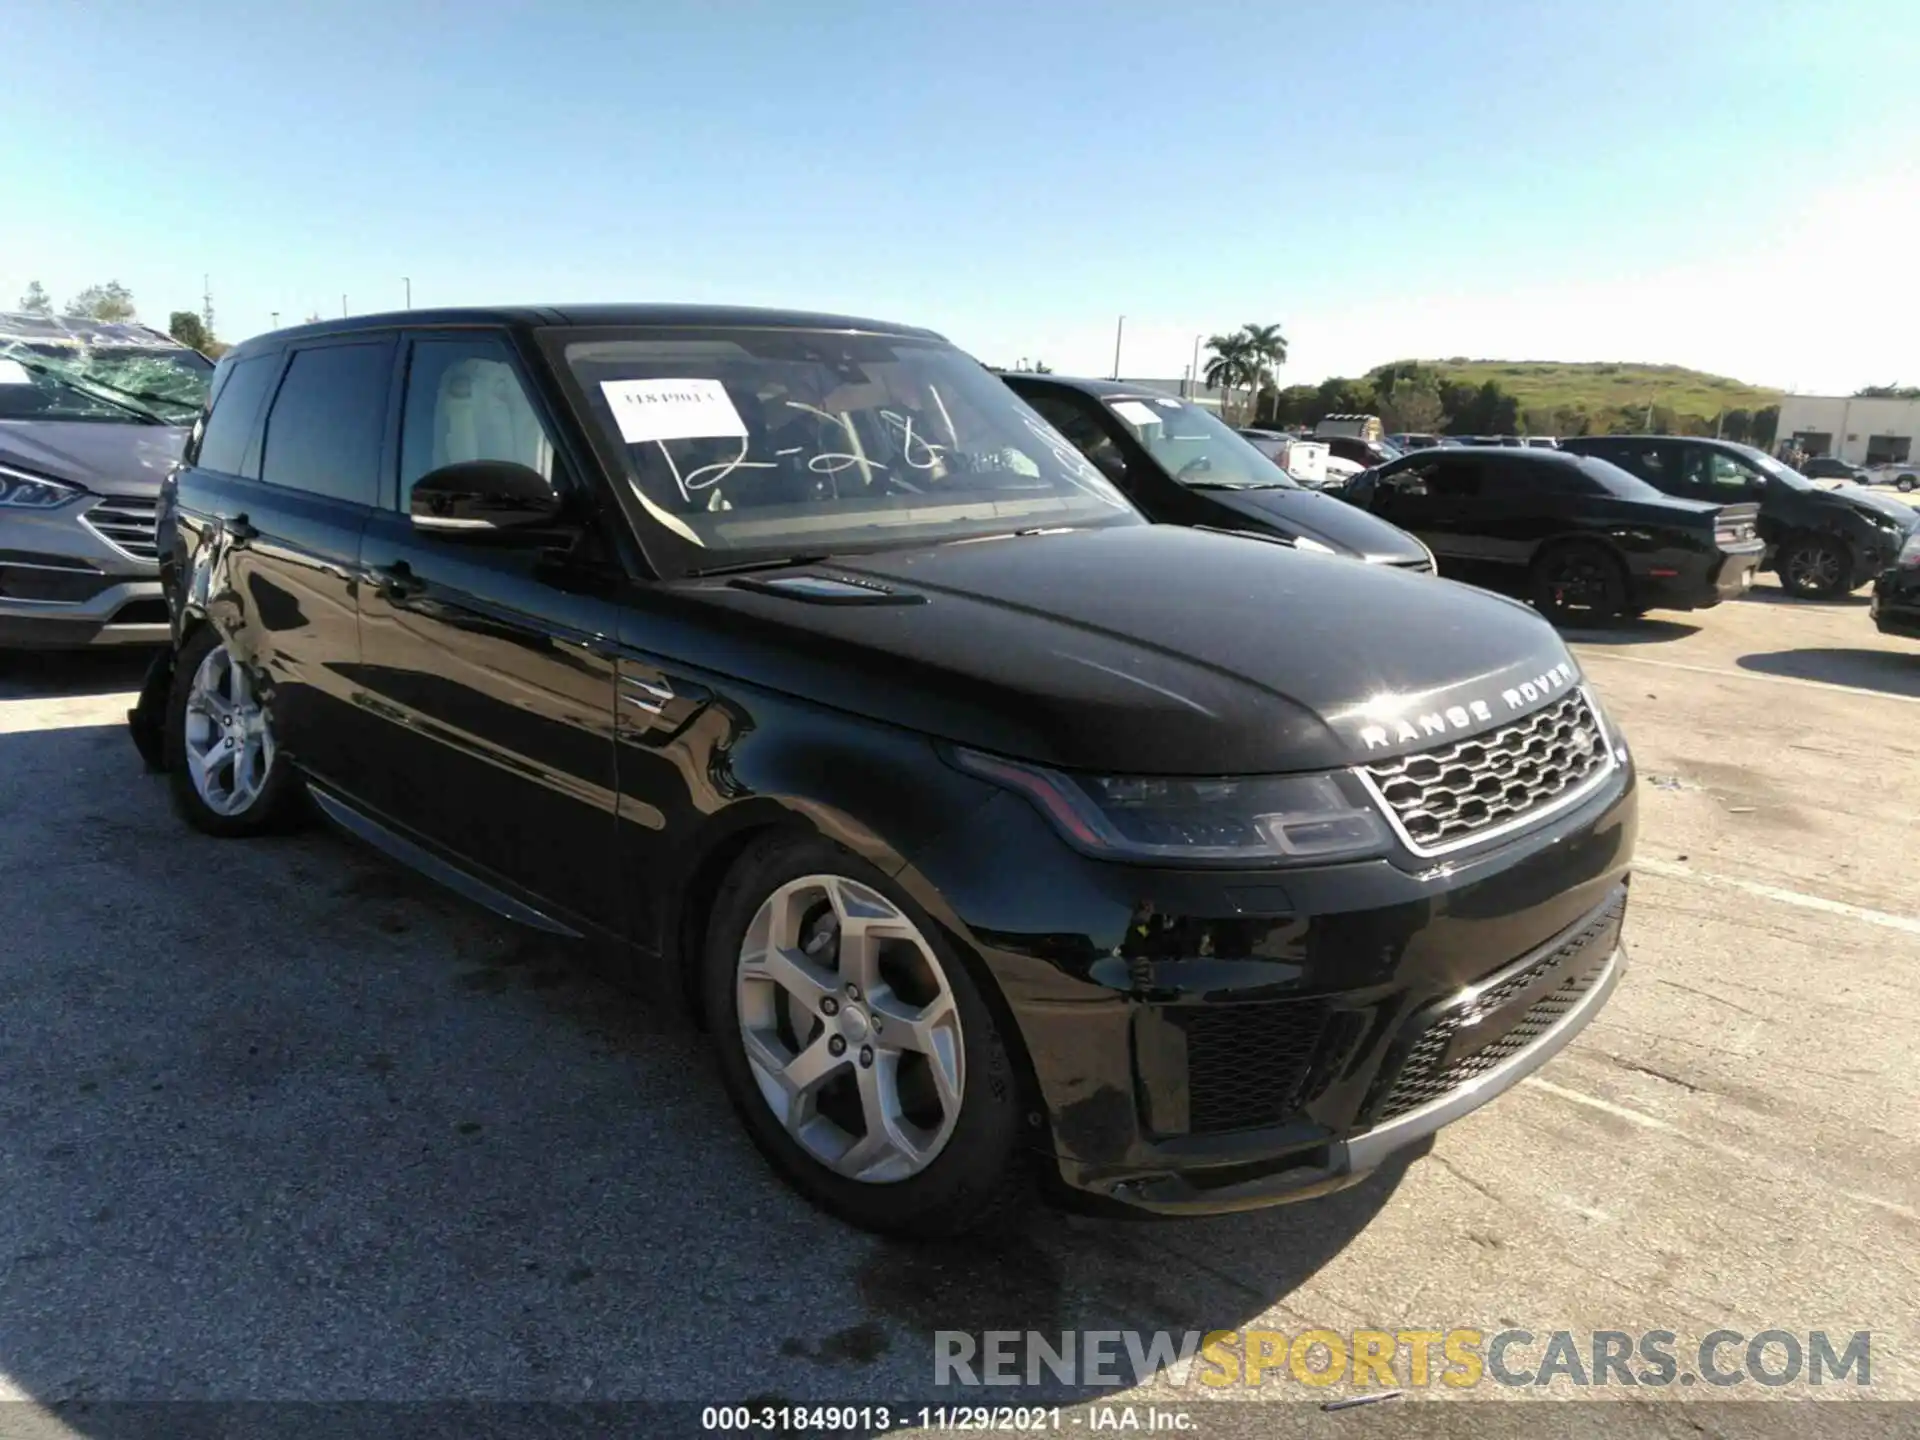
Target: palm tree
1230 364
1269 350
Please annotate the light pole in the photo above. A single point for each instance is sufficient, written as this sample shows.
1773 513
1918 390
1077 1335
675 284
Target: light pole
1118 331
276 320
1195 370
343 307
407 280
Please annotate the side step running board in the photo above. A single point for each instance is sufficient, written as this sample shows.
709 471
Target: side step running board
433 867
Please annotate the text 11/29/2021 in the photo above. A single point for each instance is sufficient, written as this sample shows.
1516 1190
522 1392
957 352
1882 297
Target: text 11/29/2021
872 1419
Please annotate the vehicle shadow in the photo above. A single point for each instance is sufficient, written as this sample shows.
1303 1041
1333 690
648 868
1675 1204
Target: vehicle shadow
1638 631
57 674
1883 670
285 1122
1774 595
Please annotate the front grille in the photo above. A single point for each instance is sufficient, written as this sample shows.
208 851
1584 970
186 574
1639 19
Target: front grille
1456 794
126 523
1584 956
1254 1064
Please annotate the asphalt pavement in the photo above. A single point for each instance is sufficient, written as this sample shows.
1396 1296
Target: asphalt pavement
280 1121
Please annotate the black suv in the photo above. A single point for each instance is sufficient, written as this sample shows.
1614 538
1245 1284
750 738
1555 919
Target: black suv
1181 465
992 832
1579 537
1824 543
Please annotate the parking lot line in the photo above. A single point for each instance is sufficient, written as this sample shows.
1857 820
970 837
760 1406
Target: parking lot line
1903 923
1733 1152
1586 655
78 713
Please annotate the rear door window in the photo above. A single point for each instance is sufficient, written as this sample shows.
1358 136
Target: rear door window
227 434
325 429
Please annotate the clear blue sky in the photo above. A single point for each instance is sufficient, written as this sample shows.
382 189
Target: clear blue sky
1527 180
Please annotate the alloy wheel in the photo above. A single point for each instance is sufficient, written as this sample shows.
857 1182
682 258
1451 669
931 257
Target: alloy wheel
850 1028
229 739
1813 568
1578 581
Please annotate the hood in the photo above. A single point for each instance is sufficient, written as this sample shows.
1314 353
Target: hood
1322 517
1142 650
106 457
1858 497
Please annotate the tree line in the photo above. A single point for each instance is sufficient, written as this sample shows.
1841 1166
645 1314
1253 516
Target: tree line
112 303
1414 398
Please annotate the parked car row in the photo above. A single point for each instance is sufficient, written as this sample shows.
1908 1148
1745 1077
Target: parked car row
995 835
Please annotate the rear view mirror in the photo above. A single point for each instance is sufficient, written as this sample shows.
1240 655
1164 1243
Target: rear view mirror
478 496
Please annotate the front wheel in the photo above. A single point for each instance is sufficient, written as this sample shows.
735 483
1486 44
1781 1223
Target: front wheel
1572 583
227 774
1906 482
1814 567
857 1048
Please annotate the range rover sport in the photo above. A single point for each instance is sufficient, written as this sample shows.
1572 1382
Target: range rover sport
993 833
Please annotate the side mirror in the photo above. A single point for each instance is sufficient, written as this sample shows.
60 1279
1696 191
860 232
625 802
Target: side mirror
482 496
1110 463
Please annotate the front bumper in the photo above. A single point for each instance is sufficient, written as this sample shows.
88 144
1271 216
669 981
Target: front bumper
79 576
1896 604
1213 1041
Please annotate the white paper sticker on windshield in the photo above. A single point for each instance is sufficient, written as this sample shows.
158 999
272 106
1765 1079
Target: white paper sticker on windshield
12 372
1135 413
672 410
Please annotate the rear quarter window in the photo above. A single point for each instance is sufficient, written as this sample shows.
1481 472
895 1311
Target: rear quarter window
227 432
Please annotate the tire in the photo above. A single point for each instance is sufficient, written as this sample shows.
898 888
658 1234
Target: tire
958 1166
1576 581
1815 567
227 776
1906 482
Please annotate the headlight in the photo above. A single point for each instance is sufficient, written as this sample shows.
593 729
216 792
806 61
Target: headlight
21 491
1307 542
1254 820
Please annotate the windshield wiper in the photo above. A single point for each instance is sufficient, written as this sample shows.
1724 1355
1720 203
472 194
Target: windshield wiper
784 562
98 390
1237 485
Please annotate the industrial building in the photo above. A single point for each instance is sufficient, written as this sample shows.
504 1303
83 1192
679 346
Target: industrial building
1866 431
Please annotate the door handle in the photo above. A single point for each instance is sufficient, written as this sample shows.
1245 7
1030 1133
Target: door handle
397 582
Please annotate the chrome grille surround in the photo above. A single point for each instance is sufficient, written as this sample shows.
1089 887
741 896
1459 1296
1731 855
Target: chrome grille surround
1491 784
126 522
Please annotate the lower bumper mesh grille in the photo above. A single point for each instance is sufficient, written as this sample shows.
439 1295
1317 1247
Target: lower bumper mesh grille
1255 1064
1583 956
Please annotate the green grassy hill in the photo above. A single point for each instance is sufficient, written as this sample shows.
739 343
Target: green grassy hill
1605 385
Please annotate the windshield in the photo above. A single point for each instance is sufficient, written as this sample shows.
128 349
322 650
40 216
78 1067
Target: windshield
774 443
1775 468
1193 445
66 381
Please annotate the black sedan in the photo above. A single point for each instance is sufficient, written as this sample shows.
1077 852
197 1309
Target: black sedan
1579 537
1182 466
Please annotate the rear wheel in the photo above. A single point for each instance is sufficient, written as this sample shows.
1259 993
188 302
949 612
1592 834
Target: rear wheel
227 774
1907 482
1578 582
859 1052
1815 567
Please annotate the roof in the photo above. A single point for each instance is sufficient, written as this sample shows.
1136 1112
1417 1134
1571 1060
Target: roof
695 317
78 330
